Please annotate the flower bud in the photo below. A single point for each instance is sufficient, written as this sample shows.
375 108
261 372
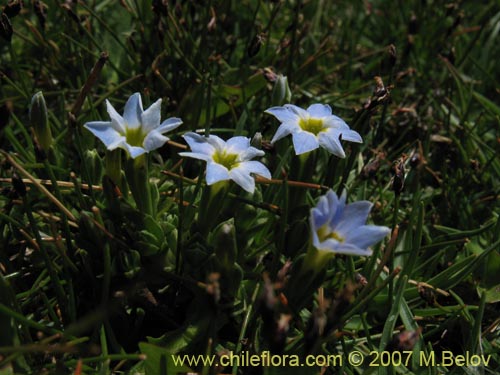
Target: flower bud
18 184
13 8
392 55
5 27
225 244
398 178
39 121
281 91
257 141
94 165
255 45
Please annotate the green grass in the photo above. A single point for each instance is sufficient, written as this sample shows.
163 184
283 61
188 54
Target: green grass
84 275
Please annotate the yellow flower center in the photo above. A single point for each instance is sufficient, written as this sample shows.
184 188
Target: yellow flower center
312 125
226 159
134 137
325 233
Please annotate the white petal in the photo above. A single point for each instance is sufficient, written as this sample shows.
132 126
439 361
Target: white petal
134 151
302 113
241 176
283 114
195 155
150 118
154 140
119 143
116 119
256 167
304 142
329 140
335 122
216 142
169 124
285 129
319 110
250 153
104 131
237 144
351 136
133 111
216 173
198 144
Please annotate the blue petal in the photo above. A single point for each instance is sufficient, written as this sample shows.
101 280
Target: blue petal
285 129
330 141
304 142
328 245
133 111
324 210
104 131
151 117
198 144
319 110
318 219
313 217
154 140
353 217
350 249
216 173
256 167
242 177
337 206
169 124
283 114
366 235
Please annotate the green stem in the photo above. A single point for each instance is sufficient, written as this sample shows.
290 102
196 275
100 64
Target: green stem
245 325
137 172
211 203
54 278
308 275
113 162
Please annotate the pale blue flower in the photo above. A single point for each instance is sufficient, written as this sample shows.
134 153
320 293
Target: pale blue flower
229 160
138 131
314 127
341 228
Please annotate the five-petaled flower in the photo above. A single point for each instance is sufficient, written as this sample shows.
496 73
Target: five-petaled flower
341 228
229 160
314 127
138 131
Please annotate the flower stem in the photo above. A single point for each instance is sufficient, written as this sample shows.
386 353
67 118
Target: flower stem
137 172
307 276
211 203
301 170
114 166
